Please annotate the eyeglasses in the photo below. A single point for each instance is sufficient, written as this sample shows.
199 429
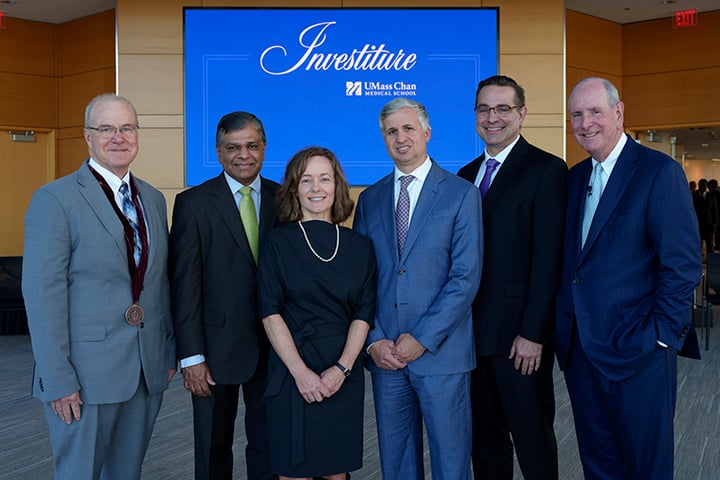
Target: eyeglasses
237 147
109 131
500 110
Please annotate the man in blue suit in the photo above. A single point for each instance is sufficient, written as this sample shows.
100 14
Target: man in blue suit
426 227
630 268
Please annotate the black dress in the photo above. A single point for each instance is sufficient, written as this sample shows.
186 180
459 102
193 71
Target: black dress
317 300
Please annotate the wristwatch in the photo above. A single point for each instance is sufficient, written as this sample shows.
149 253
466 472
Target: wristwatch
346 371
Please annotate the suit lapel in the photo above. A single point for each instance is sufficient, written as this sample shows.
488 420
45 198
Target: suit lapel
385 205
152 219
575 209
91 190
512 164
268 215
617 184
224 202
428 197
470 172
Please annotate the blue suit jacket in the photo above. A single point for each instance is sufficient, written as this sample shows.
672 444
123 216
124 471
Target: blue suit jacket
428 292
633 282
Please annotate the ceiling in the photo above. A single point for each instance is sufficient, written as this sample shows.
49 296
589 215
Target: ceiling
698 143
618 11
54 11
628 11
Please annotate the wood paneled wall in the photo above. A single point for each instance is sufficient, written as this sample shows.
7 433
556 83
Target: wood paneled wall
27 74
86 68
671 77
49 72
150 65
596 54
667 77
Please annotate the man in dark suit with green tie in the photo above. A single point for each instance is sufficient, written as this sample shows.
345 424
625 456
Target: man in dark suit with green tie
216 230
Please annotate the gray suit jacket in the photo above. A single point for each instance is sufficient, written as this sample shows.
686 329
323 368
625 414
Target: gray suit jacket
77 287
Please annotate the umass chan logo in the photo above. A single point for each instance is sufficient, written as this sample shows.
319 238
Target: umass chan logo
379 89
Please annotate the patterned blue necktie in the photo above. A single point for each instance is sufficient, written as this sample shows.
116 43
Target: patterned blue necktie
128 208
595 190
402 212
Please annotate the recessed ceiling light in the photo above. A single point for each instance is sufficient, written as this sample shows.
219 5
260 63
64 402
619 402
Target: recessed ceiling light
704 144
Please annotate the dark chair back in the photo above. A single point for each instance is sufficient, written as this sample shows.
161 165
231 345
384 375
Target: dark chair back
712 277
10 284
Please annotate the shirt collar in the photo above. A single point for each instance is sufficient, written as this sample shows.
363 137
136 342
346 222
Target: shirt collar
235 185
112 180
420 173
609 163
503 154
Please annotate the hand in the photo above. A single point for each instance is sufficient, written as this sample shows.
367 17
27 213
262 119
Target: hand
527 355
198 379
332 378
407 348
381 353
310 386
68 407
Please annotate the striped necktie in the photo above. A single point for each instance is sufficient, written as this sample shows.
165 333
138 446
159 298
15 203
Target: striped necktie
128 208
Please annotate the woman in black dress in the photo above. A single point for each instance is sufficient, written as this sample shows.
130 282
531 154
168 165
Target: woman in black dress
316 288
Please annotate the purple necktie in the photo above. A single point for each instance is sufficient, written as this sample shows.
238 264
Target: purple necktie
402 212
489 169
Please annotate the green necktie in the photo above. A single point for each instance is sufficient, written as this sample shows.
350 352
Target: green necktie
249 220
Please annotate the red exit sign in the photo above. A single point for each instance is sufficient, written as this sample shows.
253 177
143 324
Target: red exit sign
685 18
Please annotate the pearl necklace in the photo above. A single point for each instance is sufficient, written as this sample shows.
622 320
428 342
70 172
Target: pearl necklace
337 243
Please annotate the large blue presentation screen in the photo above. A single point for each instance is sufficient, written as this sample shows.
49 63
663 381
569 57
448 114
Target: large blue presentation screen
321 77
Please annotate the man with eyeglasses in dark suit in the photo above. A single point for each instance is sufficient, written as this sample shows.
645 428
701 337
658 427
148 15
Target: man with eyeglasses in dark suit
512 391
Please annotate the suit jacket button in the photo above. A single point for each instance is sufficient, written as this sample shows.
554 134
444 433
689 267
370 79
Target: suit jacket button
576 281
400 272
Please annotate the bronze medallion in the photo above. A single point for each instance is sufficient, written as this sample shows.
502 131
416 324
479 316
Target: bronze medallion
134 315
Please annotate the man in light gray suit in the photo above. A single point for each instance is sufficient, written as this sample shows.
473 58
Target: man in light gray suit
426 227
97 297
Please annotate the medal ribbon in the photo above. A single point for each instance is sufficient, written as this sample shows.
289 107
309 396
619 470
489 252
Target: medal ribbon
137 272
